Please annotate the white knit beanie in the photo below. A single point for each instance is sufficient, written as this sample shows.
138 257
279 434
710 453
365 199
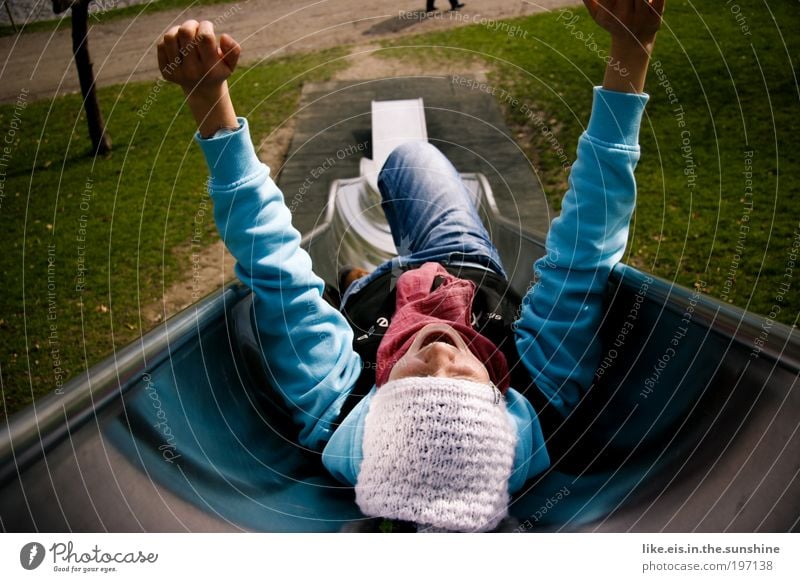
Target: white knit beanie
437 452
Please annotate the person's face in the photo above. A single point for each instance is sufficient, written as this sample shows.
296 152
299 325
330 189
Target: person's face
439 350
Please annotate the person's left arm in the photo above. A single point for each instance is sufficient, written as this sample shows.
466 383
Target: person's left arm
557 333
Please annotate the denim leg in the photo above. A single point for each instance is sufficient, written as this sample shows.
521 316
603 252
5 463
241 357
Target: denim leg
430 213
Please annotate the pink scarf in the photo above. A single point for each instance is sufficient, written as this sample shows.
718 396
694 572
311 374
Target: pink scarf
418 306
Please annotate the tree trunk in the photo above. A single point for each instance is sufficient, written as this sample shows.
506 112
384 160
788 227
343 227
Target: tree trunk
101 142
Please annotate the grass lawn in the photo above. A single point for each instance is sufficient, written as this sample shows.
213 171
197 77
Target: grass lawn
108 13
126 219
733 109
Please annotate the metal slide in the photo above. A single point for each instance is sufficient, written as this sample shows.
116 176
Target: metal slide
692 425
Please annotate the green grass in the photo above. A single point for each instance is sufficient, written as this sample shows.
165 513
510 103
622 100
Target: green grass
725 87
110 14
138 222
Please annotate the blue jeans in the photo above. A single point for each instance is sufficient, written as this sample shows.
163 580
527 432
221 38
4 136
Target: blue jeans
430 214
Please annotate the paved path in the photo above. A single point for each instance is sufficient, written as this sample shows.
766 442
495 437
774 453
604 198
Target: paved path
124 50
466 125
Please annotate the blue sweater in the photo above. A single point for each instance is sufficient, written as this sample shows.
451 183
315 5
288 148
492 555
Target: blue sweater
308 344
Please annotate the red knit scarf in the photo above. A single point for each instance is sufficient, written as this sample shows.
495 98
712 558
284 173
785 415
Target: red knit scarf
417 305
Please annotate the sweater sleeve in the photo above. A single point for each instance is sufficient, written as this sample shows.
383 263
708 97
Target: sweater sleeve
557 331
307 344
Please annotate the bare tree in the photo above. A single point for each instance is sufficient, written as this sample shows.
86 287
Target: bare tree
101 142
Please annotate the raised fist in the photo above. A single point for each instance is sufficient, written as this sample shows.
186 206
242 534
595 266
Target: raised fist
637 20
190 56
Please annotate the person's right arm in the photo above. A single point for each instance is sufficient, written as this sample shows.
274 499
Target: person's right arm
306 342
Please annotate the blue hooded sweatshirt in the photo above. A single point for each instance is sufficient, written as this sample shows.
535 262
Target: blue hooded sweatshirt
307 343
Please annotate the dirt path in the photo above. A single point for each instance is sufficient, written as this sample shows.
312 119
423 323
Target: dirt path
124 50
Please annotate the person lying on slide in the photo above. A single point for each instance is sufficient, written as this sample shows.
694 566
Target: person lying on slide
441 411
